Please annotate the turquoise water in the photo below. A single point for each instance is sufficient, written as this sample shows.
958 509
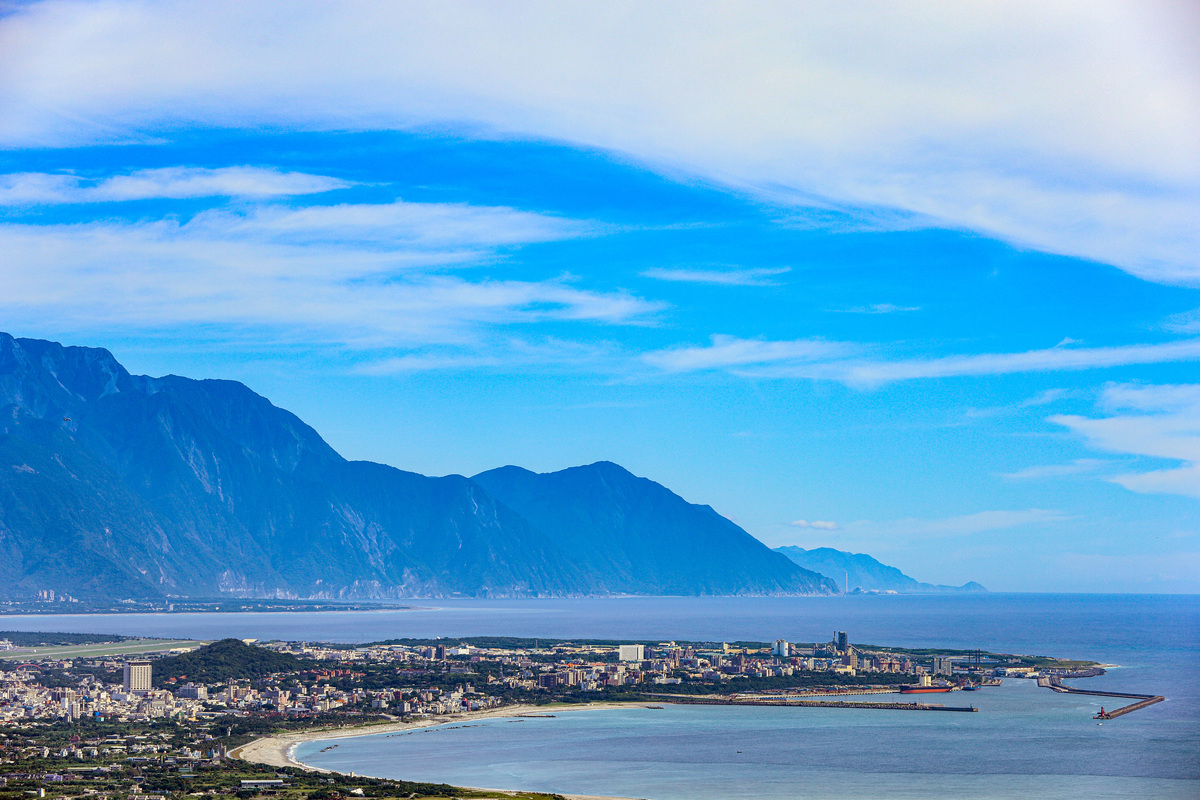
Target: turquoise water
1025 742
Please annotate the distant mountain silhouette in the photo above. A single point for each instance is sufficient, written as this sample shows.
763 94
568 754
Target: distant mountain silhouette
123 486
864 572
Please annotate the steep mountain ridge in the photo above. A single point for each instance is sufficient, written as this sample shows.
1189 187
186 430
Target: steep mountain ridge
603 516
119 485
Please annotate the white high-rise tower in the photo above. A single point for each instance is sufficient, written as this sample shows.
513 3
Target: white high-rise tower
137 677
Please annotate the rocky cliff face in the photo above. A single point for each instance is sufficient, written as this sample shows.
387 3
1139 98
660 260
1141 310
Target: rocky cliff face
117 485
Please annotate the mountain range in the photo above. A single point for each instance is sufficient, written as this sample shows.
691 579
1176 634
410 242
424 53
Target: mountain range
115 485
864 573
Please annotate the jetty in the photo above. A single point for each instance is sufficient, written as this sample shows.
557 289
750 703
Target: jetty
709 700
1149 701
1142 700
838 692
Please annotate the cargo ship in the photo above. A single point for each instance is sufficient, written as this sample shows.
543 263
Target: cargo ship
909 689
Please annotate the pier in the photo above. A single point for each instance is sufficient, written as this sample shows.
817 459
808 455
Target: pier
1143 700
788 701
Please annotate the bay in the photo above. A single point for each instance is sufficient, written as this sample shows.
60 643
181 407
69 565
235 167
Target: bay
1025 741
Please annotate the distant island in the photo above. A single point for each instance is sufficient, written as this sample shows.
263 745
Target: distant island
862 573
155 490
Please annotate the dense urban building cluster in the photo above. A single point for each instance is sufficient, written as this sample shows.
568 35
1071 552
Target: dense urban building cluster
399 680
595 667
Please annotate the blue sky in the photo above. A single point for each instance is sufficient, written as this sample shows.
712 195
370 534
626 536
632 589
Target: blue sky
922 284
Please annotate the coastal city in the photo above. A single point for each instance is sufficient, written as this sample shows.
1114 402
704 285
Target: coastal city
160 719
434 679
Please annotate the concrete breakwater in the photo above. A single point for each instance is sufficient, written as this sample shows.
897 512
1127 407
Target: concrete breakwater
730 701
818 693
1143 700
1149 701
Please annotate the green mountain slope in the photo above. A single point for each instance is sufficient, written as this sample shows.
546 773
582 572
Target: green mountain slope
227 659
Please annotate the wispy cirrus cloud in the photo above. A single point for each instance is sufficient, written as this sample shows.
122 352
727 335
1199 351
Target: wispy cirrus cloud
1080 466
503 353
876 308
761 276
1185 322
971 115
42 188
1045 360
853 364
428 227
366 274
816 524
730 352
1159 422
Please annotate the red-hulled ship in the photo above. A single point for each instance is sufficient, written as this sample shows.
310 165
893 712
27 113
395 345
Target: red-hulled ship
924 689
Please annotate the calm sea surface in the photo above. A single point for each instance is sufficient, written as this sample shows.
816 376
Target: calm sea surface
1025 742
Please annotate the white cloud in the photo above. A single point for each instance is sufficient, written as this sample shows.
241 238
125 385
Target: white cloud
816 524
425 226
369 275
39 188
729 351
1161 422
761 276
502 354
1044 398
1068 127
1047 360
818 359
876 308
1040 472
1187 322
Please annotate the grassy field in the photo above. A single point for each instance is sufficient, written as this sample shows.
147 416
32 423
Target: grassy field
126 648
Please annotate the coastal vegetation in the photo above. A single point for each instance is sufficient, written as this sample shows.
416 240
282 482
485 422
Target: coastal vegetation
224 660
172 759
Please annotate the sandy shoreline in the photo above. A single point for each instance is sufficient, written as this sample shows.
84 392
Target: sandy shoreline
279 750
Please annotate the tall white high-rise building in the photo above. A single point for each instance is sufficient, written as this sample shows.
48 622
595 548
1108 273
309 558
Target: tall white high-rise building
137 677
632 652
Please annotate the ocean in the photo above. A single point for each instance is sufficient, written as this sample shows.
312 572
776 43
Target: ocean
1025 741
